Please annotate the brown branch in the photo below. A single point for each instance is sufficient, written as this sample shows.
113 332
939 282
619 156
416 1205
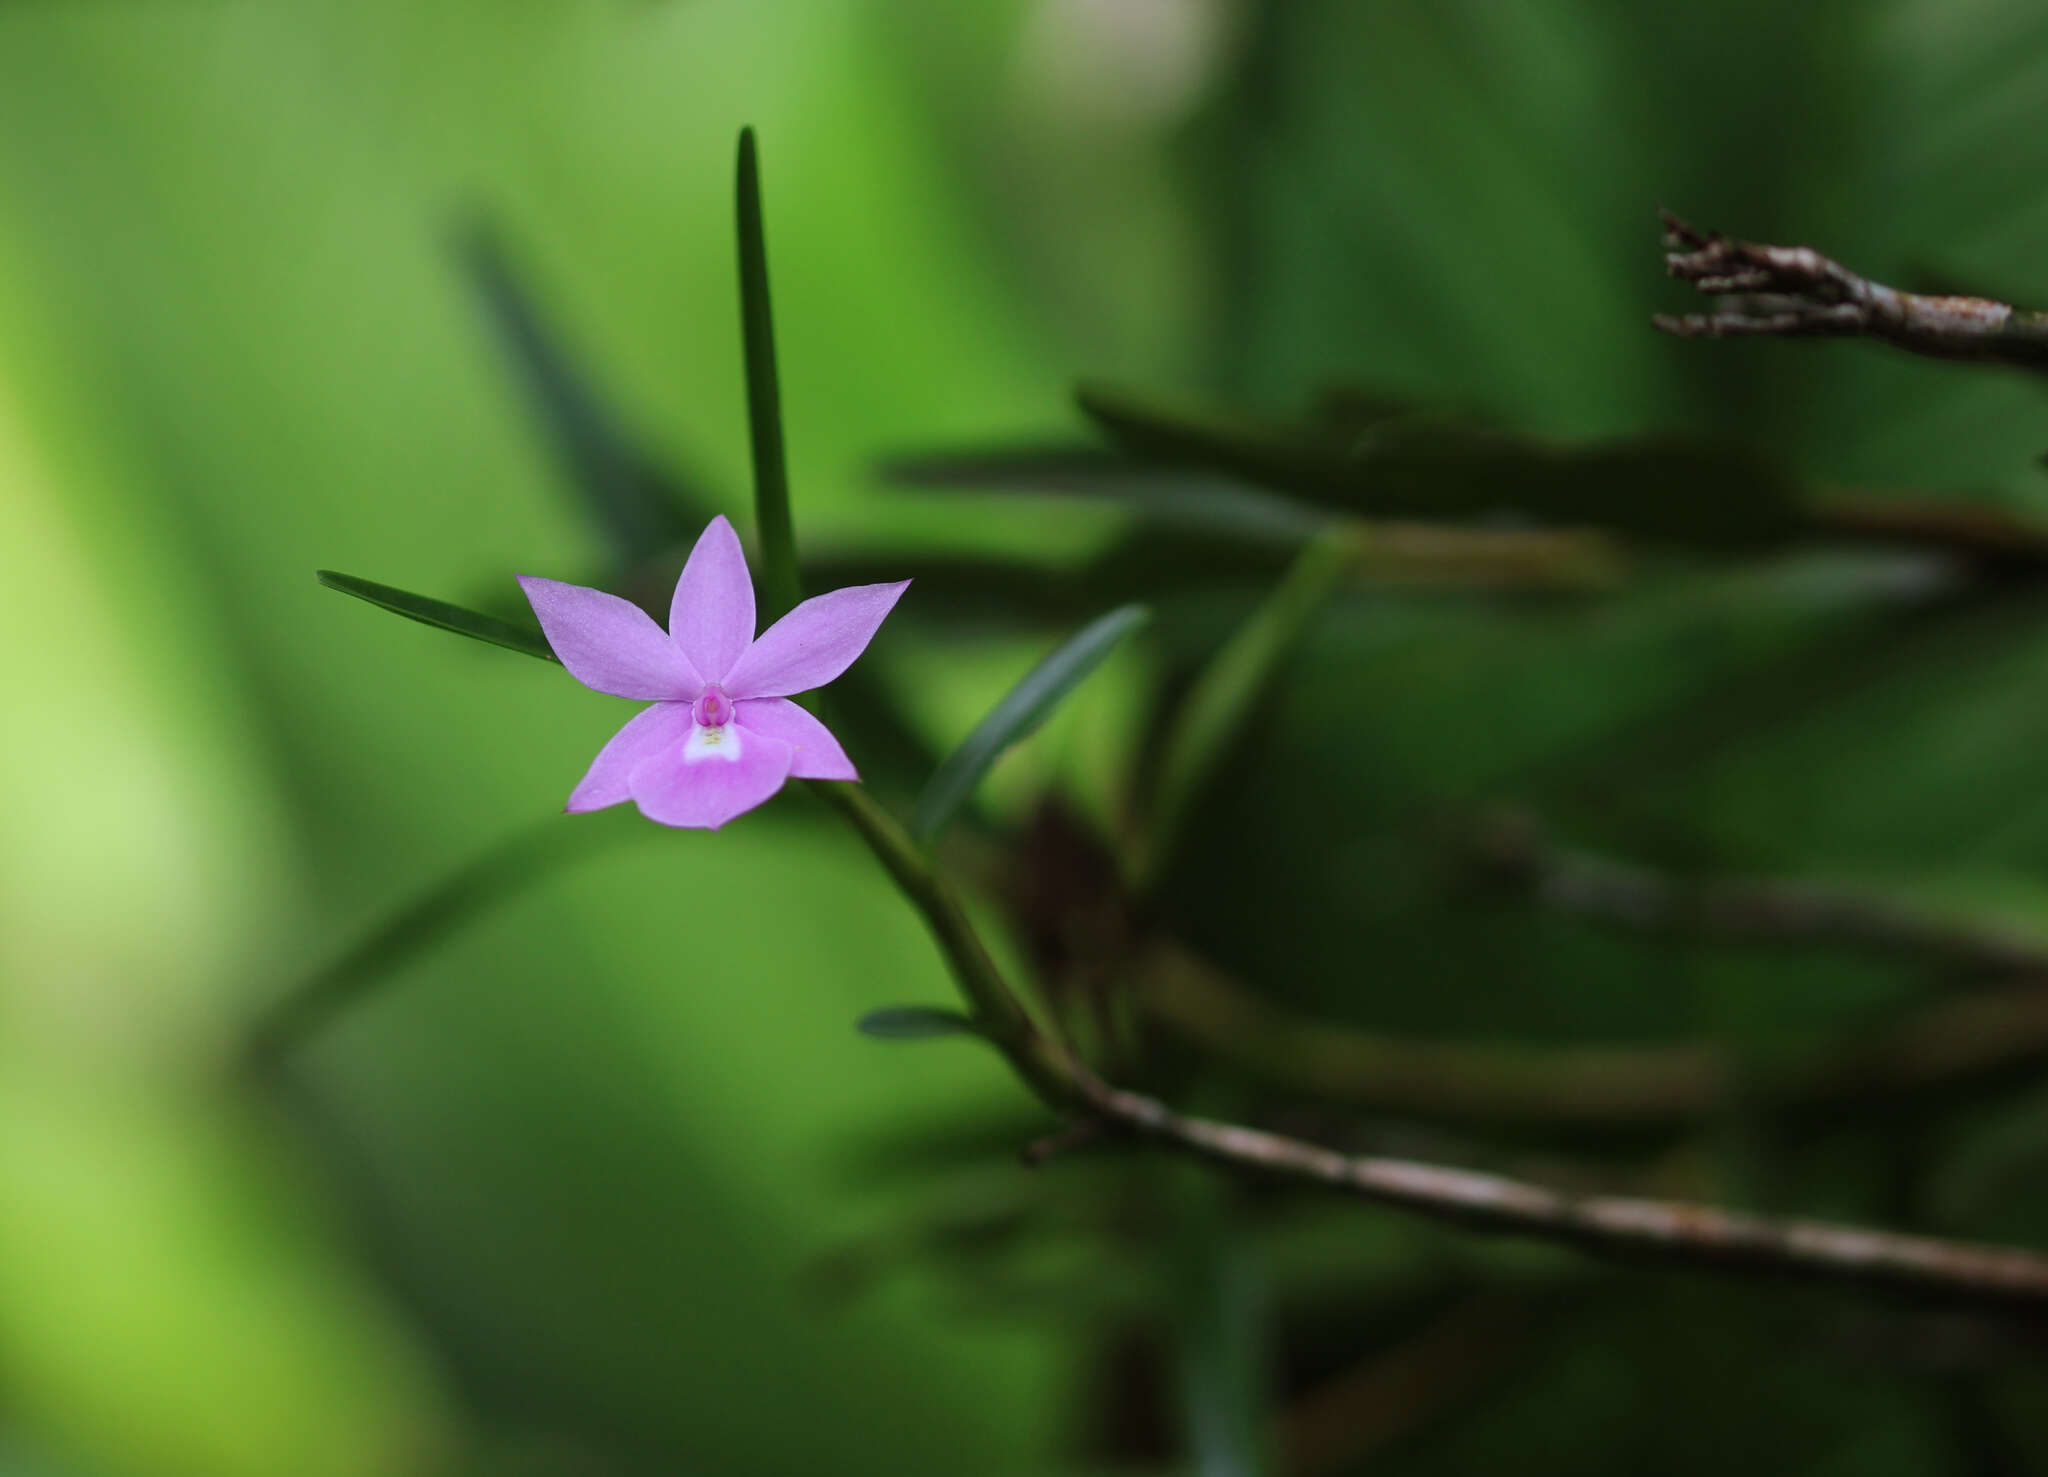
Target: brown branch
1623 1086
1795 292
1614 1225
1993 540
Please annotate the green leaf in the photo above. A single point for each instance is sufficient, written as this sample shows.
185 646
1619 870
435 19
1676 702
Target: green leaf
520 861
1019 714
1678 489
431 612
915 1023
1220 1322
1227 692
780 585
1175 497
641 509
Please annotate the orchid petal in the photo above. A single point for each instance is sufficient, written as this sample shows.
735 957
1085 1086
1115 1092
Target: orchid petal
716 775
660 729
813 643
610 644
711 619
818 755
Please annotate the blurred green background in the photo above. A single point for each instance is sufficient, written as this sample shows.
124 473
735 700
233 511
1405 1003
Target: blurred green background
604 1182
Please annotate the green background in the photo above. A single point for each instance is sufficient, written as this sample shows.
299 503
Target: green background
558 1199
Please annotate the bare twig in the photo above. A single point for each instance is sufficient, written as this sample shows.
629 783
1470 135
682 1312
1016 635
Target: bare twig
1699 1235
1076 1135
1620 1226
1795 292
1761 910
1628 1086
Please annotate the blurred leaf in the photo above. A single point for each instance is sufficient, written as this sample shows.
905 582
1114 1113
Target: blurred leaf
1226 694
431 612
1999 1160
641 509
780 584
1678 489
1347 409
1175 496
914 1023
1218 1310
522 860
871 719
1019 714
1008 593
1001 591
1994 540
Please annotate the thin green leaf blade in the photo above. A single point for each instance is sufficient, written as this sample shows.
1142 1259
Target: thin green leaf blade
780 586
1227 692
1672 488
1019 714
519 862
915 1023
1191 498
526 640
642 510
1220 1325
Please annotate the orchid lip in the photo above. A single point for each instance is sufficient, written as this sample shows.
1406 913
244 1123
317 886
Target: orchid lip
713 709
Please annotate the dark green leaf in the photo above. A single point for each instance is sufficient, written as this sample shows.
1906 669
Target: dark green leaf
432 612
1006 593
1228 690
1177 497
1019 714
1673 488
1220 1320
642 510
519 861
914 1023
780 586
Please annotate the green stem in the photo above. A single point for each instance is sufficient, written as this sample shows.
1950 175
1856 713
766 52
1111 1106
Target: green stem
1044 1063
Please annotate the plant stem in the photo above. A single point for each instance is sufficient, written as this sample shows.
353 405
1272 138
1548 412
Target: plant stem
1624 1226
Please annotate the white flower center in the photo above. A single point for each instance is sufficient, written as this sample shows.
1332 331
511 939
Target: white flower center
713 734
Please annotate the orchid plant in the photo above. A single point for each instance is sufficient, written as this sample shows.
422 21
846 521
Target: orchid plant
722 735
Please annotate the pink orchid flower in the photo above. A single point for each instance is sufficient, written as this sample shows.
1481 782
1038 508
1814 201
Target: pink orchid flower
722 735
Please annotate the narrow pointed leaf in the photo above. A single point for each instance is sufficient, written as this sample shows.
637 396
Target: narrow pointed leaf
915 1023
520 861
429 611
1180 497
1673 488
1019 714
1220 1318
1227 692
780 587
641 509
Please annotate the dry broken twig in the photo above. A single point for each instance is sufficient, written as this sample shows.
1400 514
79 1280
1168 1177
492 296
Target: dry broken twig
1795 292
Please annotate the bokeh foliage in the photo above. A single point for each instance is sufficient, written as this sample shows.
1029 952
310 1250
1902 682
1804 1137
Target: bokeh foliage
571 1194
